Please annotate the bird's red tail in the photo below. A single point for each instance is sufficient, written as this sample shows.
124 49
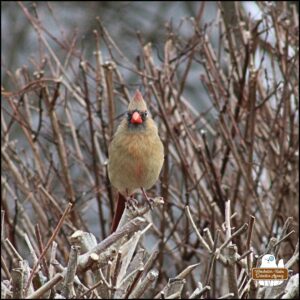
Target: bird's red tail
118 212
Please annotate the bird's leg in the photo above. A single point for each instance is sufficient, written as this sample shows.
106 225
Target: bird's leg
149 200
131 202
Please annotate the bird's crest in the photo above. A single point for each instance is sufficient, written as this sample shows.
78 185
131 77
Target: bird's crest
137 102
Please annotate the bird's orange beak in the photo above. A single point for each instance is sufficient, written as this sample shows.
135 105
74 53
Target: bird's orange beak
136 118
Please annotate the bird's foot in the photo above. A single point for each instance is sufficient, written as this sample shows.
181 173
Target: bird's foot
132 203
149 200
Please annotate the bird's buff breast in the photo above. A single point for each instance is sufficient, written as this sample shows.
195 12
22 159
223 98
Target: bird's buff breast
135 161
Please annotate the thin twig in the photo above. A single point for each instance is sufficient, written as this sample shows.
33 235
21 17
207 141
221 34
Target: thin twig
54 234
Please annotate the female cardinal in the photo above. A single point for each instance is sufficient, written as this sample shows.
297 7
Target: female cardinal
136 155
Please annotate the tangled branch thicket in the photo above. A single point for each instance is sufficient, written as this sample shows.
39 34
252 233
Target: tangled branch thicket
229 182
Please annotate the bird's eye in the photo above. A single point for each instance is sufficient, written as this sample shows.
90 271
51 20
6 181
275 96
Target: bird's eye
129 115
145 114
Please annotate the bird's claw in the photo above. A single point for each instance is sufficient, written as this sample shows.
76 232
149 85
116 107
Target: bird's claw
132 203
150 202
